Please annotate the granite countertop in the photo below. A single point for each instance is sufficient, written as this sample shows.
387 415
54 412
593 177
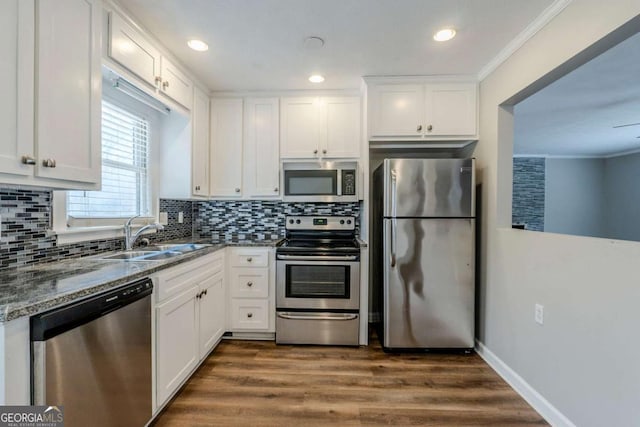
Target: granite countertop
31 290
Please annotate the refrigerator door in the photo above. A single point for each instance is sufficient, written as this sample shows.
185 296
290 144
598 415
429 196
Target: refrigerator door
429 188
428 289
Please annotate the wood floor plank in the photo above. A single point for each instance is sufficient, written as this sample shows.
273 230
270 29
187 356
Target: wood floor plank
256 383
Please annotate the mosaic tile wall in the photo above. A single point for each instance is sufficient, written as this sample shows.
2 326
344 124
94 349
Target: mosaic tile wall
225 220
26 213
528 192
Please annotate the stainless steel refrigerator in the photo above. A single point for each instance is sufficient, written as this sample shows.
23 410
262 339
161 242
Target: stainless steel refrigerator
423 243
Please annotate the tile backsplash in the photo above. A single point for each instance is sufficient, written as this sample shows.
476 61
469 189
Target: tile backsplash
25 220
258 219
26 217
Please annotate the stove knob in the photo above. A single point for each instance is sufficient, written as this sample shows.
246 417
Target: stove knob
290 221
297 221
348 221
341 221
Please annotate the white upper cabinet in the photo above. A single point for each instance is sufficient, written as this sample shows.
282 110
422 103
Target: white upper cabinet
340 127
131 49
226 147
16 73
261 148
175 84
324 127
200 144
430 110
68 88
50 104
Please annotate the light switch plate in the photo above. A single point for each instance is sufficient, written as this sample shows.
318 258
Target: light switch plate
164 218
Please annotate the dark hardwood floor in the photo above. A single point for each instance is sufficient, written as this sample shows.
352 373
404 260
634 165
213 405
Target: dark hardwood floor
256 383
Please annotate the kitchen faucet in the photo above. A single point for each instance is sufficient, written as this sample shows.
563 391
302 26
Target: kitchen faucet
130 239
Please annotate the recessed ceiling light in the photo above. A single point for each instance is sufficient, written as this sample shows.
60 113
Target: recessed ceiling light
316 78
444 35
198 45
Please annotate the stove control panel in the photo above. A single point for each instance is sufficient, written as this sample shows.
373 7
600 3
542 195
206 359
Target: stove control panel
320 223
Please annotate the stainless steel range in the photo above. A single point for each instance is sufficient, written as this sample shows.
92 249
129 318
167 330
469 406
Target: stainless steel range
318 282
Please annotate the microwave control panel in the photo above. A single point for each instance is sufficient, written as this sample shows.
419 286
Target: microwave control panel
348 182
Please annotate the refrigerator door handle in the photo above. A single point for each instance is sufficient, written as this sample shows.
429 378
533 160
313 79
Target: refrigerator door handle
394 206
393 243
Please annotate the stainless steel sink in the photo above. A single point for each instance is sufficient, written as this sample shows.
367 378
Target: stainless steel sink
156 252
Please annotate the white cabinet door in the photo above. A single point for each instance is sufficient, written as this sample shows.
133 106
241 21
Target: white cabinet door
226 147
175 84
16 95
131 49
68 85
299 136
396 110
200 141
261 147
450 109
340 127
212 312
177 342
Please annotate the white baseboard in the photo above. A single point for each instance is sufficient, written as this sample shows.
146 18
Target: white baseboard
549 412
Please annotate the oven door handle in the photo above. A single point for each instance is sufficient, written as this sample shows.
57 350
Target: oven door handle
317 316
317 258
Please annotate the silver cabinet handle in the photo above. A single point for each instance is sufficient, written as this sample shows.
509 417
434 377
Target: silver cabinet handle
158 79
319 316
249 315
249 284
49 163
197 188
237 190
275 190
419 129
165 85
315 151
249 259
28 160
324 151
430 128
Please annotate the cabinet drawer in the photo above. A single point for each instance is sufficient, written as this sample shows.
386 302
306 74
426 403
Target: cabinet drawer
249 282
174 280
249 257
249 314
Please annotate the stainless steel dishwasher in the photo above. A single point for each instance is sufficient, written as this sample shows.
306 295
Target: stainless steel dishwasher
93 357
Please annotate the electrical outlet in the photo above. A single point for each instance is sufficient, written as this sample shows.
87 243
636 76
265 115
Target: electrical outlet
180 217
539 314
164 218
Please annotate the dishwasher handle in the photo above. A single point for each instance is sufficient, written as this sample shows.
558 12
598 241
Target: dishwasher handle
59 320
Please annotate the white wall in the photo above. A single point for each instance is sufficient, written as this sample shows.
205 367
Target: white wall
622 180
574 197
583 361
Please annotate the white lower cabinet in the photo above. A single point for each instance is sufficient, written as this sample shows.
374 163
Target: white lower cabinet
190 319
251 290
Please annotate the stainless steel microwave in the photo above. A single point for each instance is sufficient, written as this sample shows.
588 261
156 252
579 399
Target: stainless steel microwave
320 181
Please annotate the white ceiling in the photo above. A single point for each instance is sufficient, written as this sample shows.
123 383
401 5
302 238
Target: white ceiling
259 44
576 115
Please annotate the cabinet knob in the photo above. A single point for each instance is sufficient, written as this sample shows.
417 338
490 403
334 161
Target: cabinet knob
419 128
275 190
49 163
249 259
430 128
165 85
237 190
315 151
205 291
158 79
249 315
28 160
324 151
249 284
197 188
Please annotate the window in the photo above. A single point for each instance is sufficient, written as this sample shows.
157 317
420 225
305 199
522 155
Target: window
125 174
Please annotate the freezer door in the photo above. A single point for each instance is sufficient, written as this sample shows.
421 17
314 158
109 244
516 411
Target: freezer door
429 188
428 290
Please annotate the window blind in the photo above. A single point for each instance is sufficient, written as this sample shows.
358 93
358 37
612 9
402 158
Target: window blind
125 176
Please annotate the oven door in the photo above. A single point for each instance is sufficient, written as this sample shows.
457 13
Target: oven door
317 282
